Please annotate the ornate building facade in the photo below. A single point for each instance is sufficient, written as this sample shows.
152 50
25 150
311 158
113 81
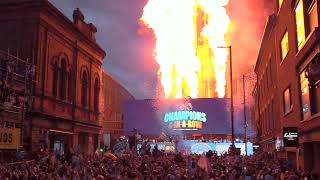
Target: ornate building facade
66 108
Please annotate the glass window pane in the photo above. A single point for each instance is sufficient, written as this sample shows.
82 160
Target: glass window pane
287 101
305 97
300 24
284 45
280 3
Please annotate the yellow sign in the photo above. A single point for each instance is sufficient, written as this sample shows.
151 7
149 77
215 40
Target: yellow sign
10 138
195 125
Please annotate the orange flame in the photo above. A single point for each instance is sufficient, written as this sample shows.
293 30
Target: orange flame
188 34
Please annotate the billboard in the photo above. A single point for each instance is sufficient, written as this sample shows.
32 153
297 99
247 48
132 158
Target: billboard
198 147
178 116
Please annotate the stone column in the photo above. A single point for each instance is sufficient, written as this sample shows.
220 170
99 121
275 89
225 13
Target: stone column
35 139
75 141
90 144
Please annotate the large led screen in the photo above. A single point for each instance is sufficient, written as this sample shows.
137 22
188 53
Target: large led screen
178 116
196 147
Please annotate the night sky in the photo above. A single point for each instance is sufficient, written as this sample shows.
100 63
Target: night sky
129 52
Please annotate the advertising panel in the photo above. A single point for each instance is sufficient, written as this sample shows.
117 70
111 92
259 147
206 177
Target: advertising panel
198 147
290 137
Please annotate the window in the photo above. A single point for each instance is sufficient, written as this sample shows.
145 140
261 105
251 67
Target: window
270 72
265 83
287 104
54 79
305 96
269 117
84 88
310 90
96 94
265 121
267 76
284 45
262 123
280 3
63 80
300 24
70 90
263 86
273 114
311 16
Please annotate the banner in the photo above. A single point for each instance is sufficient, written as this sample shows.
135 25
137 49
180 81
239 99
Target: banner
10 138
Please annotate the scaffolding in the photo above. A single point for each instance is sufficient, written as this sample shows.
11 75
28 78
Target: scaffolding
16 91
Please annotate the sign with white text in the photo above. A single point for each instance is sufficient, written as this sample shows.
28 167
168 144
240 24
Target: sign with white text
290 137
178 116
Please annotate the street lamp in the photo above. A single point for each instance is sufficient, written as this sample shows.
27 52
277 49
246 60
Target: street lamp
231 92
245 114
250 79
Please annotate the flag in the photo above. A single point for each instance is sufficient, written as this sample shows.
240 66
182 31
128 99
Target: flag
203 163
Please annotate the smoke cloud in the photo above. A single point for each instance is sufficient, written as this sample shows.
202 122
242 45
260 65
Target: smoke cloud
248 18
130 48
130 51
248 21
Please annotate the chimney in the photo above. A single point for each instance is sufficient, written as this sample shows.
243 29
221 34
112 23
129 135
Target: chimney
88 30
77 16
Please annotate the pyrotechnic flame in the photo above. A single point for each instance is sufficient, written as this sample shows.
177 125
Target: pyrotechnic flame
186 46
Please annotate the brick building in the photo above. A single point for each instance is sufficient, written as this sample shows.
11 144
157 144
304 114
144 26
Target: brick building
265 93
65 109
287 90
114 96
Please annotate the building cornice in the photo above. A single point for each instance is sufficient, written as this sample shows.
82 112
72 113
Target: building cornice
44 6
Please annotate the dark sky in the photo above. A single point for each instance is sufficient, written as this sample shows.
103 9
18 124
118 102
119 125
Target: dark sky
129 54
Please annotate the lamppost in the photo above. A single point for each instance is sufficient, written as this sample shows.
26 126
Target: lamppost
245 114
231 92
247 77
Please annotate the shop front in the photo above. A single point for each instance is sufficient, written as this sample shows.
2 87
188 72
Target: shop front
310 151
87 138
60 141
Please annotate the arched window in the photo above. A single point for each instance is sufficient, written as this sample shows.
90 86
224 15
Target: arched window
70 85
84 88
54 79
96 94
63 79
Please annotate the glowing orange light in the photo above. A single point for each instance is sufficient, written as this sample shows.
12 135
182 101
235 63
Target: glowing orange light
188 34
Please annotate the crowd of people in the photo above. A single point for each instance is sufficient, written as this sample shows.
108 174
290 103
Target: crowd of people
152 165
